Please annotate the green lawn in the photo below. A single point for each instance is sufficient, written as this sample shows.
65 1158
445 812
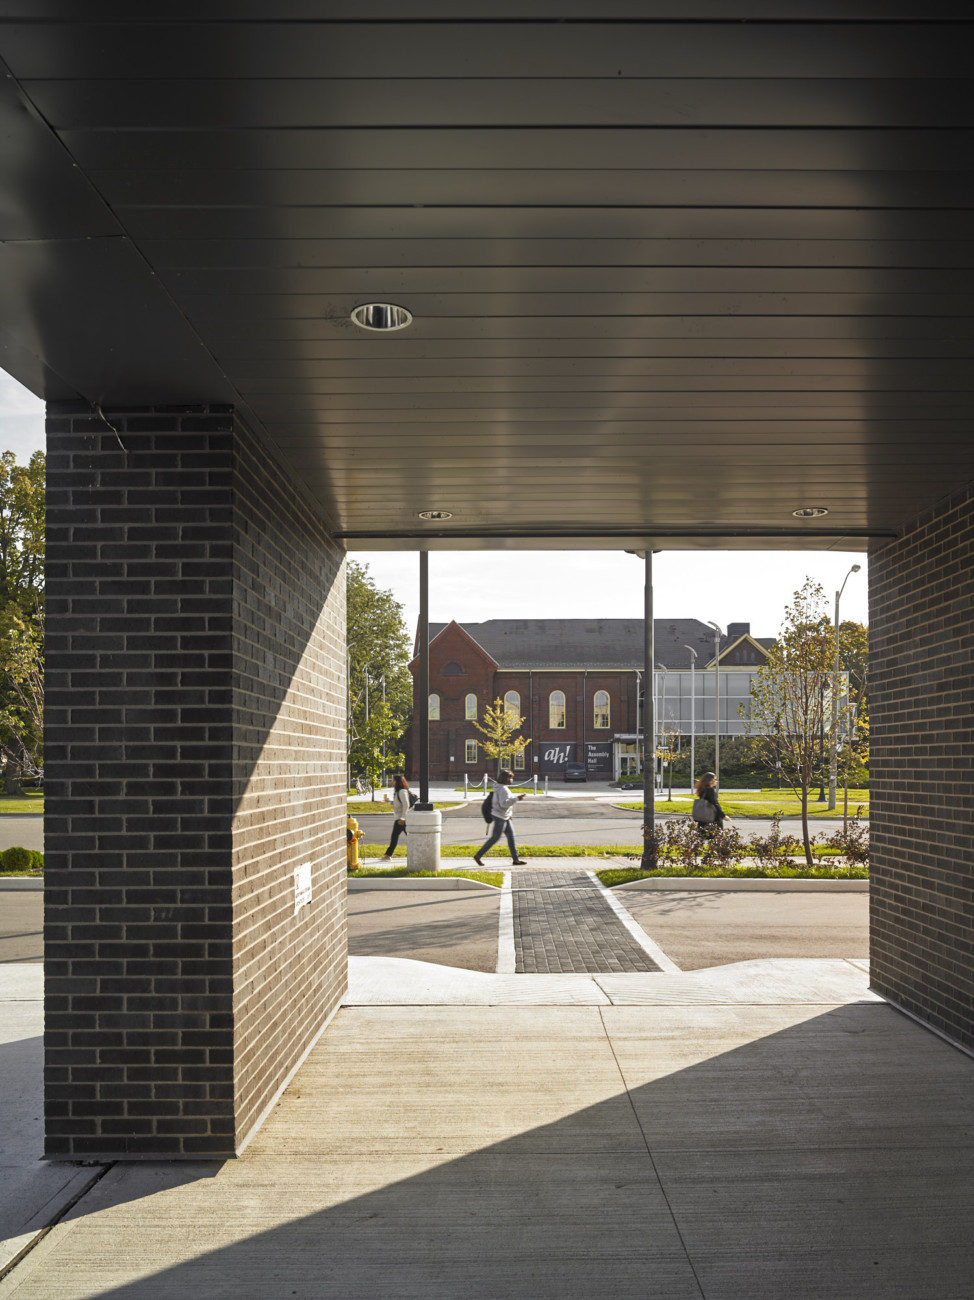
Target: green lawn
624 875
527 851
763 803
30 803
485 877
366 808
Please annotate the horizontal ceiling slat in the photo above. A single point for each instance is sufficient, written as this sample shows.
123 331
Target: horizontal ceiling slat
500 221
476 290
642 187
172 102
701 49
570 148
354 256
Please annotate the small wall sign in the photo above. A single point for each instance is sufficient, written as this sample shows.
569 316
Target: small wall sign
302 886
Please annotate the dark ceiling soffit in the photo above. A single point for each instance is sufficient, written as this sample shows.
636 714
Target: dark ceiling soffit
547 534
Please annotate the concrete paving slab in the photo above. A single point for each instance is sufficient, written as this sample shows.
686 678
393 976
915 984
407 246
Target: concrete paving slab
391 981
494 1224
531 1205
871 1222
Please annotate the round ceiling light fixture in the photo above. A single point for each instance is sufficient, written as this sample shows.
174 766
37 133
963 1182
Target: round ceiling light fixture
436 515
811 512
381 317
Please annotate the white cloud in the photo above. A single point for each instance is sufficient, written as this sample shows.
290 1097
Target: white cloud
21 419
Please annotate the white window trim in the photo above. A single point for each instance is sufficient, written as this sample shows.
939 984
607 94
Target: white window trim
467 751
557 726
430 716
468 716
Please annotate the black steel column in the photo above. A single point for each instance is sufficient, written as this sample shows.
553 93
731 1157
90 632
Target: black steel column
423 683
649 726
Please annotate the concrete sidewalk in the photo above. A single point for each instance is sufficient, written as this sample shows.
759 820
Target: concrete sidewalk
788 1135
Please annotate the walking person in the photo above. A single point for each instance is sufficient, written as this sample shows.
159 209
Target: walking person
707 812
501 808
401 803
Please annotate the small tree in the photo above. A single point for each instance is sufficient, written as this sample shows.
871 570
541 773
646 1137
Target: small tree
373 748
499 730
790 697
21 693
666 752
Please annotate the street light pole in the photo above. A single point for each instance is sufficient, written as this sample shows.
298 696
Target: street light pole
693 714
648 862
833 739
717 635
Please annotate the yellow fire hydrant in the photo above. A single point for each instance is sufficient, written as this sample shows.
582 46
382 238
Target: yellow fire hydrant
353 835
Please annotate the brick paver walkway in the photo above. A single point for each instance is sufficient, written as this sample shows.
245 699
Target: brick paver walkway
563 924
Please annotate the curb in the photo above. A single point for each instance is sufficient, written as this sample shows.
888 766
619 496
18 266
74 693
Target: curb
356 883
754 884
21 882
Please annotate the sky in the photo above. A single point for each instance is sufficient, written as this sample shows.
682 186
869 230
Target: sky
723 586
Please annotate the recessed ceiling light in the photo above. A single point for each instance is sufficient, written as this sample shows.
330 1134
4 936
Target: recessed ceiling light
381 316
436 514
810 512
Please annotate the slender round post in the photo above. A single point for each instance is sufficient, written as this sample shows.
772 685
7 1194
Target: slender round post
649 725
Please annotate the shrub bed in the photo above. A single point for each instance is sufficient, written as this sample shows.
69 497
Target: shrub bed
17 861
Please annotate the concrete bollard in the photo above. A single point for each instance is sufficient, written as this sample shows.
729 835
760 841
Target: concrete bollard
423 831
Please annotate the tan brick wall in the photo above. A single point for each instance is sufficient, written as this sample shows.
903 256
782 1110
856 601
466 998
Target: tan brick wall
289 970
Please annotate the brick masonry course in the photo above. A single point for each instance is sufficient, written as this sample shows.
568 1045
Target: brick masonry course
195 670
921 646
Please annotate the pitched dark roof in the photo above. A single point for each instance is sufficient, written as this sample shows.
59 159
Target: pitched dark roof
589 642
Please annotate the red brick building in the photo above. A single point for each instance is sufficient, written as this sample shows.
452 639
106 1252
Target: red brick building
578 685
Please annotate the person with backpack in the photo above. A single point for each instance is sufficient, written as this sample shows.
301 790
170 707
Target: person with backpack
497 809
707 812
402 800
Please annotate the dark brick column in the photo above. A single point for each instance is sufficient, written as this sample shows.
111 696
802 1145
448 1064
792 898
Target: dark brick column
194 758
921 672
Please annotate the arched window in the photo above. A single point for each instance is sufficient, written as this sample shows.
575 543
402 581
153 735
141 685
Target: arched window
601 703
512 703
556 710
470 708
452 669
434 708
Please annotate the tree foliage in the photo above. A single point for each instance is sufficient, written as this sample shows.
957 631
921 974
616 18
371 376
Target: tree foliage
854 659
374 748
378 646
791 701
21 614
500 729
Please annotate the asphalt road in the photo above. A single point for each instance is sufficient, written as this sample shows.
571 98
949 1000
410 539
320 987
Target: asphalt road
577 821
452 928
697 928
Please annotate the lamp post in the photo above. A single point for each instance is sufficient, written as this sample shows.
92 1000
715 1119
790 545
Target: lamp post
717 635
693 714
833 739
661 741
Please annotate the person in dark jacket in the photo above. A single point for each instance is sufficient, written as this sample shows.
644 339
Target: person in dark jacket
706 790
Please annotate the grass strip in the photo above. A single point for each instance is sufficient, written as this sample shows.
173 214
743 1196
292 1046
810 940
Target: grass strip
625 875
17 807
403 873
365 807
751 808
550 851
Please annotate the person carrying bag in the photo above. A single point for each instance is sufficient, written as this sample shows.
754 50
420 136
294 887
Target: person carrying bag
707 812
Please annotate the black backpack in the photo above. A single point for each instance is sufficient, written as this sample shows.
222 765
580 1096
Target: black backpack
486 808
413 799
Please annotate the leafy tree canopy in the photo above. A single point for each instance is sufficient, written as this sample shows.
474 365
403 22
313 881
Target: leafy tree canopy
500 729
790 713
21 530
378 645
